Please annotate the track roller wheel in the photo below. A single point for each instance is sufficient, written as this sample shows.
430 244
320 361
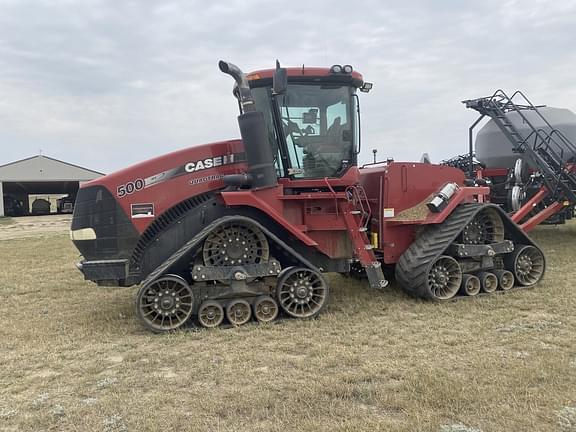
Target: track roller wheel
488 281
238 312
505 279
302 292
210 314
470 285
165 304
265 309
444 278
527 264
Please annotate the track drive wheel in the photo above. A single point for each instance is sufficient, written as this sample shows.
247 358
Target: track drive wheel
488 281
238 312
302 292
265 309
527 264
210 314
235 243
165 304
444 278
486 227
470 285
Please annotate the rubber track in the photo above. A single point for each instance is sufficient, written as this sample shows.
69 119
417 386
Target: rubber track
414 264
194 243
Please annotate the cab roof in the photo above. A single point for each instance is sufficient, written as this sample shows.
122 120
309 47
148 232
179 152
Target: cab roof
263 77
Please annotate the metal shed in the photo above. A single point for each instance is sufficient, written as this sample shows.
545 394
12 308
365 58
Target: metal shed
41 175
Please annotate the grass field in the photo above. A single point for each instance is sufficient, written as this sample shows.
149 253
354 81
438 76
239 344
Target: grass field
5 220
73 357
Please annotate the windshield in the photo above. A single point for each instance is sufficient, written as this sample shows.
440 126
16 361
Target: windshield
317 122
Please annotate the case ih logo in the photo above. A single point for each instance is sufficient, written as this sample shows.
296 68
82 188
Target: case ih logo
190 167
209 163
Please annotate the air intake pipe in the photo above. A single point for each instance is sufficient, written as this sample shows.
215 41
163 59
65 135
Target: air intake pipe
254 133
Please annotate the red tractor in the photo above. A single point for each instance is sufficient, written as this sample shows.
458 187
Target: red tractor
244 229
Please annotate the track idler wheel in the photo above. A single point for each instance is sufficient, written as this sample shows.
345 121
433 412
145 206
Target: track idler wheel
470 285
527 264
165 304
505 279
210 314
238 312
444 278
265 309
488 282
302 292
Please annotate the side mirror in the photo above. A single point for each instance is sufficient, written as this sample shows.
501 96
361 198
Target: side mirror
280 80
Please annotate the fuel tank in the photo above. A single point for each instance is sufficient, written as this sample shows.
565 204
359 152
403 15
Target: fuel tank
494 150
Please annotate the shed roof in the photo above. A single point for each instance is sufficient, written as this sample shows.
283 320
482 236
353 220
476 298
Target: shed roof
43 168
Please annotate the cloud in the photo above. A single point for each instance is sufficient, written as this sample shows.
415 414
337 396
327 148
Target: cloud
106 84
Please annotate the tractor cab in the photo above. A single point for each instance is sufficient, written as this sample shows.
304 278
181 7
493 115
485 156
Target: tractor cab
311 118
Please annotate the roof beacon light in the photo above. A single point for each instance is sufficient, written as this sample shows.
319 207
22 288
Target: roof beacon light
347 69
336 69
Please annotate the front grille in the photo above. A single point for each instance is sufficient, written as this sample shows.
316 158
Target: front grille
96 208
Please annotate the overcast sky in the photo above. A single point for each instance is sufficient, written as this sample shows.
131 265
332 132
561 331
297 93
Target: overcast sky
105 84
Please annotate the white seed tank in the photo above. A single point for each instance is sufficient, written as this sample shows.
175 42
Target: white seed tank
495 151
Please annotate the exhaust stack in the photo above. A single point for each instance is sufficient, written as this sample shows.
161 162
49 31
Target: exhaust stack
262 173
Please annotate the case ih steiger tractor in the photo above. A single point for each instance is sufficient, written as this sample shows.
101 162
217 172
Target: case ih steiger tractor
245 229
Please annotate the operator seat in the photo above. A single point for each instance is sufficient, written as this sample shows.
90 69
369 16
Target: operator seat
336 128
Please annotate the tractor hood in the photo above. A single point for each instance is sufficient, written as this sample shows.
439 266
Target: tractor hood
147 189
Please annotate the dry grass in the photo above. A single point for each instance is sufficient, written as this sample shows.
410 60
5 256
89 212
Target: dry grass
73 357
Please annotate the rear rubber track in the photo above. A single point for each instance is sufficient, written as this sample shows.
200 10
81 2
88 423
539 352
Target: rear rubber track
414 265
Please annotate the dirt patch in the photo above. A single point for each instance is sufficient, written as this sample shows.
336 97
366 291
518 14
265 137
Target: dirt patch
34 226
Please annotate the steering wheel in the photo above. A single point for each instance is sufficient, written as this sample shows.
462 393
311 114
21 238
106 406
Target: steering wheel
308 130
